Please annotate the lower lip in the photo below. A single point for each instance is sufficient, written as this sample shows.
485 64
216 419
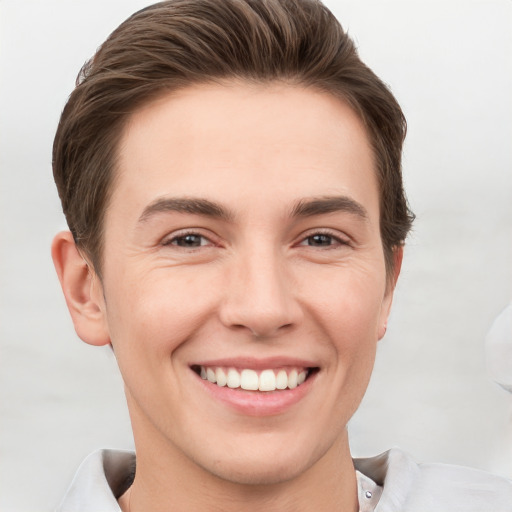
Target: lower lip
258 403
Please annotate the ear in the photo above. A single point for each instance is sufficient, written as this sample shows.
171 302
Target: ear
398 254
82 289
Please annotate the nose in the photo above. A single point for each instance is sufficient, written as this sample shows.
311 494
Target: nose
260 296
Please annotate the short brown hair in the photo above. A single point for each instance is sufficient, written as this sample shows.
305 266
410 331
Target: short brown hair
177 43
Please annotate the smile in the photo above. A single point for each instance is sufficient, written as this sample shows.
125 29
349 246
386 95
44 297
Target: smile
252 380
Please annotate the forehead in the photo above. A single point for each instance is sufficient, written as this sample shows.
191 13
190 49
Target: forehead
244 141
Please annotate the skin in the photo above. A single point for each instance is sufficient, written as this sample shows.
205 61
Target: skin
257 283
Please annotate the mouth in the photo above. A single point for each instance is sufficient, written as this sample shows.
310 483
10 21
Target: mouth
249 379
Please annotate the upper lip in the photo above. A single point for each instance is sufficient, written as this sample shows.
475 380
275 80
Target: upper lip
258 363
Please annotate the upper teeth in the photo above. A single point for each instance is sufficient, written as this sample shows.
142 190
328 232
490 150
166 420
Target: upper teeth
267 380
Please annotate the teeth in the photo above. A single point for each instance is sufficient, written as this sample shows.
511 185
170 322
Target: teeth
281 380
292 379
233 378
221 377
210 375
249 380
267 380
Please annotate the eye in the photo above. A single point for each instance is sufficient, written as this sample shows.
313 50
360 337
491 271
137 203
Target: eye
188 241
323 240
319 240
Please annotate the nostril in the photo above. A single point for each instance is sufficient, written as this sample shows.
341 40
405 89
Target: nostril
268 331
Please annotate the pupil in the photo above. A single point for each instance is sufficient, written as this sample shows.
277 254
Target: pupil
189 241
321 240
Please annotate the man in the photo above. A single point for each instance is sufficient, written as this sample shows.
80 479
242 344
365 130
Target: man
230 173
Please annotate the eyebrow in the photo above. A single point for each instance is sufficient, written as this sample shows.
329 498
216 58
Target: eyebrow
329 204
195 206
206 208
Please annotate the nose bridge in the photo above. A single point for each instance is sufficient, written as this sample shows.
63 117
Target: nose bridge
260 293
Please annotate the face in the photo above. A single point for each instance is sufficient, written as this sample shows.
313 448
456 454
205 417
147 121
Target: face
242 246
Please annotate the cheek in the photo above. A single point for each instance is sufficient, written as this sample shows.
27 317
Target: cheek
155 313
348 305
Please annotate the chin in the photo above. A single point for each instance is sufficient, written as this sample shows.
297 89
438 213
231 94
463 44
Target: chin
268 465
265 473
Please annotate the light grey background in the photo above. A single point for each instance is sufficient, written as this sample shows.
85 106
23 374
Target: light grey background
449 63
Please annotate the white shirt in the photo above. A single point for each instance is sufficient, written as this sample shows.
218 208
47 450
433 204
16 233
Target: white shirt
390 482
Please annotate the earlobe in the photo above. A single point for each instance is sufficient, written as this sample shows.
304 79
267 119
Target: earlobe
382 330
82 290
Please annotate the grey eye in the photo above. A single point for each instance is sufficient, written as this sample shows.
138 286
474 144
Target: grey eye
319 240
189 241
